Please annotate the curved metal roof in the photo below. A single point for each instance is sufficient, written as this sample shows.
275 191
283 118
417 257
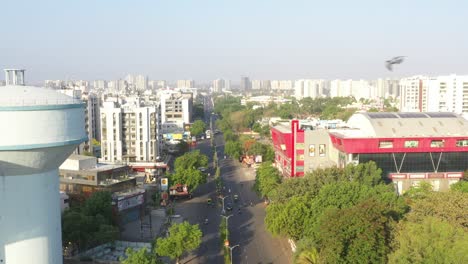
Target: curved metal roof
408 124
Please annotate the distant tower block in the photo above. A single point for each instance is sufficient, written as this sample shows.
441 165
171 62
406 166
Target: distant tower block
39 129
14 77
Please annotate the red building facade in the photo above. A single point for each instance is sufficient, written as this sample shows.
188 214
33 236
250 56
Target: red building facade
288 144
408 147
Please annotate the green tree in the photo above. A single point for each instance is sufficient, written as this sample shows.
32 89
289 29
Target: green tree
306 252
423 190
190 177
288 219
198 111
90 224
366 173
461 186
308 256
358 234
430 241
99 203
229 136
198 127
233 149
182 238
267 179
141 256
75 228
450 206
191 160
182 147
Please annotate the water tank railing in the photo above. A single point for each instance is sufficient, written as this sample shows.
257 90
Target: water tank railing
38 102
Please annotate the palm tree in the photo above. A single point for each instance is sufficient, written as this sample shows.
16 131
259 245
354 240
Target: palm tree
308 256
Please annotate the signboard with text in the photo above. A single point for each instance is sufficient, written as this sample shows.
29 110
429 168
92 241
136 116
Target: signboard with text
164 184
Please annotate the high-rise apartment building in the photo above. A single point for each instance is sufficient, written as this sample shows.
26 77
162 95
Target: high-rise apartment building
130 132
185 84
100 84
219 85
309 88
91 124
413 92
256 84
54 84
245 83
266 85
137 82
435 94
176 109
282 85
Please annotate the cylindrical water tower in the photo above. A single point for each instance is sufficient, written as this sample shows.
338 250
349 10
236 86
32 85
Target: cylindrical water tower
39 129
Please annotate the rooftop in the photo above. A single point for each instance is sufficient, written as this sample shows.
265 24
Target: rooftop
283 127
18 95
365 125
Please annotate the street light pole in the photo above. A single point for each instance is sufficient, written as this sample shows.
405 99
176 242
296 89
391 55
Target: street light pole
231 248
227 223
224 211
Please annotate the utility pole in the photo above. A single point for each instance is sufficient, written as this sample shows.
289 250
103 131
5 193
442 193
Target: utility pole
227 223
224 211
230 250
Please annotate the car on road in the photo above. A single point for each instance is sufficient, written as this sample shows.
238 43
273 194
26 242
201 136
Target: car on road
236 197
229 207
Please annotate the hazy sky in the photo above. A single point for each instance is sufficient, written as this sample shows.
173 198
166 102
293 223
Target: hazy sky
209 39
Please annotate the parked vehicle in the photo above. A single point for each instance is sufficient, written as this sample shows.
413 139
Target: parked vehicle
179 191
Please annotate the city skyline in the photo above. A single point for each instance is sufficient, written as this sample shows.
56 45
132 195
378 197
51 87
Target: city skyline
206 40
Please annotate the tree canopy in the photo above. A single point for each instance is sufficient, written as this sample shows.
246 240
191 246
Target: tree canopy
182 238
141 256
198 127
233 149
190 177
191 160
357 234
90 224
267 179
430 241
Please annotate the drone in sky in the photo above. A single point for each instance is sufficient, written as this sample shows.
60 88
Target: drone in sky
394 60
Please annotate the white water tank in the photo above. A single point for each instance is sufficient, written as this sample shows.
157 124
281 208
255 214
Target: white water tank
39 129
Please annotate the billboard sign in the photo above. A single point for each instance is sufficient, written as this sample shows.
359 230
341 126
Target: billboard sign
164 184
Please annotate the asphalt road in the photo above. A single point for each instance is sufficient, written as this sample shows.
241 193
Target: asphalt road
246 226
196 210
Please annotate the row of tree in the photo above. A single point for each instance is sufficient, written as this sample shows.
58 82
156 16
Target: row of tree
351 216
234 119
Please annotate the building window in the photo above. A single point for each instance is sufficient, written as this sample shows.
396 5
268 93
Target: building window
462 143
437 144
411 143
386 144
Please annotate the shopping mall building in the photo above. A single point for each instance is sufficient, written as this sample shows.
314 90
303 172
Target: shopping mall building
408 147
